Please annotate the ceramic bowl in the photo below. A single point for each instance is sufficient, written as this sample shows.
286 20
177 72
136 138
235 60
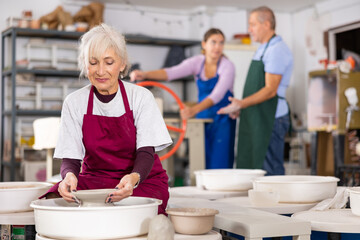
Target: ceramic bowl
192 220
17 196
95 197
354 200
227 179
263 198
298 188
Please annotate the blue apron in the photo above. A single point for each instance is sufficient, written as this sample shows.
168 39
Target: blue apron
220 134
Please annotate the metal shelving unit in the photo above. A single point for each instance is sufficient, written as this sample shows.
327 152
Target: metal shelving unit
9 74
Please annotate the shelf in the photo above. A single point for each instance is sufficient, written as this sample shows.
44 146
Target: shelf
8 164
130 38
48 84
49 46
43 98
63 60
141 39
39 33
34 113
41 72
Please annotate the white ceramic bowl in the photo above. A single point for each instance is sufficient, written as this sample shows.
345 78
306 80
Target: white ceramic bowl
17 196
263 198
354 200
298 188
192 220
58 219
227 179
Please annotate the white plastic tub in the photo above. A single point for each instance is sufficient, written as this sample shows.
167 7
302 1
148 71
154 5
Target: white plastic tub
227 179
354 200
55 218
298 188
192 221
17 196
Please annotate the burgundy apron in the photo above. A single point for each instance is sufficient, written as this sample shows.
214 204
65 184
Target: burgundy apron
110 144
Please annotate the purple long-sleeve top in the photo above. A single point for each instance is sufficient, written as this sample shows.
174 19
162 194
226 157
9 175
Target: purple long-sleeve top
192 66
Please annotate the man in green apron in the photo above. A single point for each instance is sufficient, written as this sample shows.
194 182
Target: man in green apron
264 115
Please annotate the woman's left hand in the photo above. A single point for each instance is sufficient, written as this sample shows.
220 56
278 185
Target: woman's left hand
187 113
124 188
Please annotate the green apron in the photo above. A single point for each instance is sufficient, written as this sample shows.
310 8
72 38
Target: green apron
256 122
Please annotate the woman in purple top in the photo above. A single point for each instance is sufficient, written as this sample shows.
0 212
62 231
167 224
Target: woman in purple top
214 75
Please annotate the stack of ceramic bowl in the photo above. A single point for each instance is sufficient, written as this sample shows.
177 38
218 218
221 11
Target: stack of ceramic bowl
16 216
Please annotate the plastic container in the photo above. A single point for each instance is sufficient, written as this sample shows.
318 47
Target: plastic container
58 219
227 179
17 196
298 188
263 198
192 220
354 200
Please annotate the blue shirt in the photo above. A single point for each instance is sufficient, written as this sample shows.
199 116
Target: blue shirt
278 60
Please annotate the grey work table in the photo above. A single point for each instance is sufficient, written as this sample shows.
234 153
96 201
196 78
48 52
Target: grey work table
251 223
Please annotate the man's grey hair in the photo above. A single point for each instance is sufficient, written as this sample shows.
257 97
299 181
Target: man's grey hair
96 41
265 14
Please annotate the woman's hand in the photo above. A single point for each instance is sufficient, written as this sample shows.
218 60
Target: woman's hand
137 75
233 109
125 188
187 113
67 186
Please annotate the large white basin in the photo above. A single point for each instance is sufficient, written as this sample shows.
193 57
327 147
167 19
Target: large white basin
354 200
58 219
17 196
298 188
227 179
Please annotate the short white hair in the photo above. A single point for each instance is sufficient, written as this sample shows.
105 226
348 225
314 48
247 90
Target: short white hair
96 41
265 14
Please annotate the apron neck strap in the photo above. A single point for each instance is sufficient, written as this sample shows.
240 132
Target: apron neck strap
91 101
267 44
203 64
123 94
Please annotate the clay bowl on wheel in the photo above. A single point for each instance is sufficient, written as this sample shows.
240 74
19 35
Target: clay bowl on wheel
92 198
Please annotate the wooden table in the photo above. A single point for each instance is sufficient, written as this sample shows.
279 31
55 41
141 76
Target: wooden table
195 133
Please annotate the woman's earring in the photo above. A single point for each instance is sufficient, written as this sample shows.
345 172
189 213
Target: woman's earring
121 76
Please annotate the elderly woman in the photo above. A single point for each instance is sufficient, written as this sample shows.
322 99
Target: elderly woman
113 127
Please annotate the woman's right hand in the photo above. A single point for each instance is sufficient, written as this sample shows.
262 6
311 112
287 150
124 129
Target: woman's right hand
137 75
67 186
